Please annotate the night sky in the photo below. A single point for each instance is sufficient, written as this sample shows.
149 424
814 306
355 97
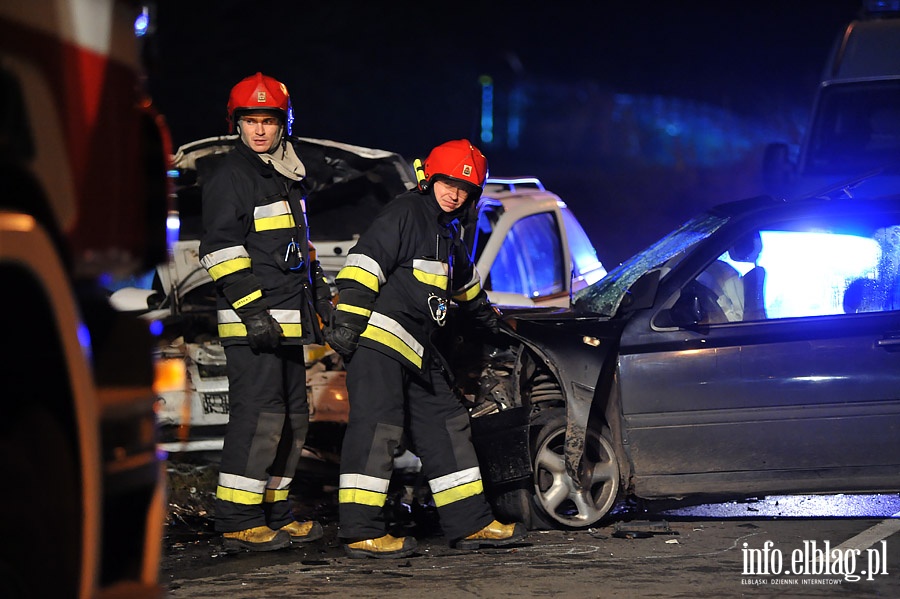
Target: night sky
404 76
395 74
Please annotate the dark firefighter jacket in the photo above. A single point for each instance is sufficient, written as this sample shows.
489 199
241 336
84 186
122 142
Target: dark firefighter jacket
255 247
396 284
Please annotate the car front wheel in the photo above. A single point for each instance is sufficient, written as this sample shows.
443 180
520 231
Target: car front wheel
556 494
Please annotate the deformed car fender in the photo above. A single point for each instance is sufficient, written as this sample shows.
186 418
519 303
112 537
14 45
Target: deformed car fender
582 370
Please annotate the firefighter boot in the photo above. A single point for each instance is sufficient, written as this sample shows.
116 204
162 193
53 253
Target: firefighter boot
494 534
382 547
303 532
258 538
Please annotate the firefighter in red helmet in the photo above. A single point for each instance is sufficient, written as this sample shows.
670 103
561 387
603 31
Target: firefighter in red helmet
394 290
270 295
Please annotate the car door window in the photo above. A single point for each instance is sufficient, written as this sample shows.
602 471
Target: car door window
808 273
794 272
530 260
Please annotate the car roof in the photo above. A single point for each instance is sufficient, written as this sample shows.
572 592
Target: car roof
519 193
880 187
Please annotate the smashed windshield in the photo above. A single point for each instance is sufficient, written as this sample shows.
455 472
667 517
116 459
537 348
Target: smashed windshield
604 296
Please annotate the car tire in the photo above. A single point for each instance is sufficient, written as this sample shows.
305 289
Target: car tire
556 497
517 505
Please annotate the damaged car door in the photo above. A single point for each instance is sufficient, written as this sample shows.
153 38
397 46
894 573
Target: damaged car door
751 351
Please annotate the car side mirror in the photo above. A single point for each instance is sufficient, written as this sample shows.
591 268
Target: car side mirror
687 311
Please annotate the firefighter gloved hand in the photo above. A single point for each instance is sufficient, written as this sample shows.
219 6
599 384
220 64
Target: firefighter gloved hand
343 340
325 310
263 332
485 315
487 320
323 303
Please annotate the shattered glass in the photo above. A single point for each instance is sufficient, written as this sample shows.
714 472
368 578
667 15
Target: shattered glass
605 296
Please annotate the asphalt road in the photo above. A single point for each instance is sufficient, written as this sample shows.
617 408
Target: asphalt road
757 548
698 559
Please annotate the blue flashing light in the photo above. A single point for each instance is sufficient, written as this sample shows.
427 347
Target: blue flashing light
487 108
84 340
882 6
808 272
142 22
173 229
156 328
514 122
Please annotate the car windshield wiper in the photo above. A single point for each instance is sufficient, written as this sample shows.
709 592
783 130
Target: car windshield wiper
845 188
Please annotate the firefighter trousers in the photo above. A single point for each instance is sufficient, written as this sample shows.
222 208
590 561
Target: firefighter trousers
385 399
267 426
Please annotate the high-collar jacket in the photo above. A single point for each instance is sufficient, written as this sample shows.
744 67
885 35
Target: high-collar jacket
396 285
255 246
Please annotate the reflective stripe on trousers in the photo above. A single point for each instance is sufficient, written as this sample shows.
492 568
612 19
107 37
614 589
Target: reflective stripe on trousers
267 426
440 435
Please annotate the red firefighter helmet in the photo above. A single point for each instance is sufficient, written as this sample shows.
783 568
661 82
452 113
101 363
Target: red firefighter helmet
259 93
459 161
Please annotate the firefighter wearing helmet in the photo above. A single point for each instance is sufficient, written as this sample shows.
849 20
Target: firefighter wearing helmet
270 295
395 289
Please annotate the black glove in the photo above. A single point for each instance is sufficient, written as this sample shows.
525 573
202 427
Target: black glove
263 332
322 293
325 309
485 315
343 340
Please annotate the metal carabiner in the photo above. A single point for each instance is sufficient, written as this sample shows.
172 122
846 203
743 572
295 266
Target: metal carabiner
294 248
438 308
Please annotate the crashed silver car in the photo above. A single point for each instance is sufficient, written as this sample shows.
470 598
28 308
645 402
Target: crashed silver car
754 350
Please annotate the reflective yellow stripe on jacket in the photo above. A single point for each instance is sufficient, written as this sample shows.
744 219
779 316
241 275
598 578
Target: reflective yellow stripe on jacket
273 216
388 332
353 310
468 291
230 324
364 271
431 272
226 261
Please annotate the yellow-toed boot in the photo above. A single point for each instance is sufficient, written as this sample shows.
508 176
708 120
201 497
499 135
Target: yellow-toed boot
258 538
303 532
382 547
494 534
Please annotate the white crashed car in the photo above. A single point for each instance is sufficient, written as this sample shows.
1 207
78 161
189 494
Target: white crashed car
529 247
